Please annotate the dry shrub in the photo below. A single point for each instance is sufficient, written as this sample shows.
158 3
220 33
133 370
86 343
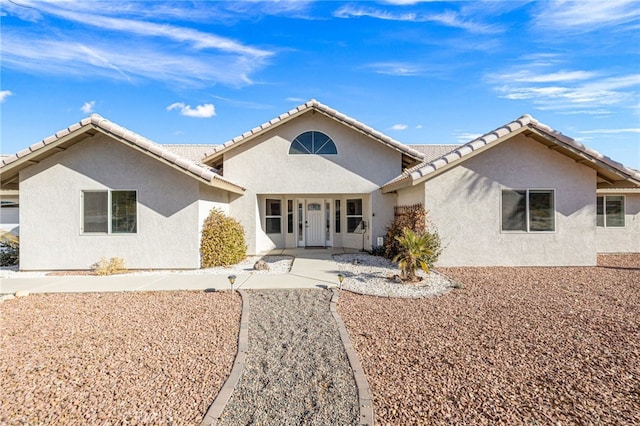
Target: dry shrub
112 266
222 242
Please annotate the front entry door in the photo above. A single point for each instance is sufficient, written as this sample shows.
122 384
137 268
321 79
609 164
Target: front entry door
314 225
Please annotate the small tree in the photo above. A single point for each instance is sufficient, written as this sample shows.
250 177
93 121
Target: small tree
414 253
222 242
412 217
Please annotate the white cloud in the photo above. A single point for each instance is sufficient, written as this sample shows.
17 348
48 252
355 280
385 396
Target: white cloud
587 15
449 18
147 61
297 100
156 51
200 111
399 127
466 137
4 94
611 131
419 126
87 107
526 76
404 69
565 91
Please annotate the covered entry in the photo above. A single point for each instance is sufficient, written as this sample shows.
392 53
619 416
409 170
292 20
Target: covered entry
315 221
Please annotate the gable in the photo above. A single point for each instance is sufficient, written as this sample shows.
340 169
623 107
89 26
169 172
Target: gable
410 155
96 126
265 163
608 172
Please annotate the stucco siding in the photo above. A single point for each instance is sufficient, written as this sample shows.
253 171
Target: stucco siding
51 213
465 206
622 240
264 166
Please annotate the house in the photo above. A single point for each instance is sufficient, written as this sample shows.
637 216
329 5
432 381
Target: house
522 194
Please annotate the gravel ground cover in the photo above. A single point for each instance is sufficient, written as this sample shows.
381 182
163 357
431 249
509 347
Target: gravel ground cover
115 358
367 274
277 265
514 346
297 371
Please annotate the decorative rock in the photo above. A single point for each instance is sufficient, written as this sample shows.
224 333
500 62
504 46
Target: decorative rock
22 293
261 265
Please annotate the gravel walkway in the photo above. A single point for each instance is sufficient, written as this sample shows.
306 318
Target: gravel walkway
514 346
153 358
296 370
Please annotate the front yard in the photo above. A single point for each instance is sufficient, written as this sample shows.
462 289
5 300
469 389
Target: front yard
514 346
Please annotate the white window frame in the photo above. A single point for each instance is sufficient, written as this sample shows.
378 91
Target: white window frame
604 211
109 212
272 216
347 215
527 212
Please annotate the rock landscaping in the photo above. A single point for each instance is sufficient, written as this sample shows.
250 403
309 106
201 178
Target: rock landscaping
508 346
296 370
375 275
514 346
115 358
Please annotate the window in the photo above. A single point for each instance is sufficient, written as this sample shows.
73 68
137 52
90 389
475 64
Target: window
300 213
610 211
121 218
289 216
327 214
528 210
337 226
312 142
273 216
354 214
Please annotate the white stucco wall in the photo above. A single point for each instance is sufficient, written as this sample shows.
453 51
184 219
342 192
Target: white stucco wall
264 166
464 205
622 240
168 210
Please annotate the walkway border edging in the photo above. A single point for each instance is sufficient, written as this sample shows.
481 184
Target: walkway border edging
365 401
220 402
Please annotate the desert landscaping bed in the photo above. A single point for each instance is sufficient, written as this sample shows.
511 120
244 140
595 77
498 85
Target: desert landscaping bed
115 358
514 346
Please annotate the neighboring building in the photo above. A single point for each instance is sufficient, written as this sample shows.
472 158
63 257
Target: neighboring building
521 195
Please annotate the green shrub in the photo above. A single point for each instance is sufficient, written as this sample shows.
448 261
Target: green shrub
222 242
9 250
417 250
112 266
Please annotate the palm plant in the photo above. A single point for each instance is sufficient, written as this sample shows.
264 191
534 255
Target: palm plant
415 252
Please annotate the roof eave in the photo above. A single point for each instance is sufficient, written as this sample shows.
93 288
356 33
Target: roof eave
604 171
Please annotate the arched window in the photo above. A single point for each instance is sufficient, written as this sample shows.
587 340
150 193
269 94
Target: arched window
312 142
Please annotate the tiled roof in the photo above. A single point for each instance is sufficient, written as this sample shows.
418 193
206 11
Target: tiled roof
193 152
329 112
458 155
151 148
431 152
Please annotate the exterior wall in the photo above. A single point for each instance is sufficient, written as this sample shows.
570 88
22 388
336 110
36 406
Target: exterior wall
622 240
51 213
264 166
465 201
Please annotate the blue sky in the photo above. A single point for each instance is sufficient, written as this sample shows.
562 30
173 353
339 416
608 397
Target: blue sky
421 72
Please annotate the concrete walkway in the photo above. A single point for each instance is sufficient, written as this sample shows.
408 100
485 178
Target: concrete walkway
312 268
